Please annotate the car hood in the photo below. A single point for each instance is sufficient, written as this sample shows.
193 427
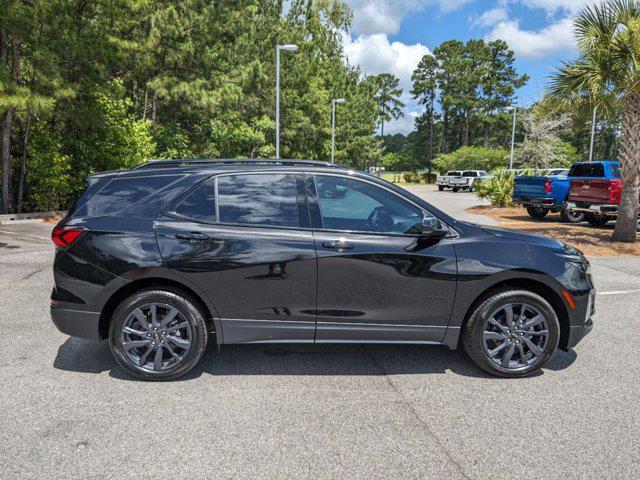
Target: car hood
527 238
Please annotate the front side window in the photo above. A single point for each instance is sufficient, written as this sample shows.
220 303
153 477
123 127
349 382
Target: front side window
354 205
258 199
615 170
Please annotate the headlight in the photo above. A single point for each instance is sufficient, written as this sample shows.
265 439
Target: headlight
576 259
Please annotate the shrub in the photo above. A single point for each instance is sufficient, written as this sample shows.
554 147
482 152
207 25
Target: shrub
428 177
412 177
498 190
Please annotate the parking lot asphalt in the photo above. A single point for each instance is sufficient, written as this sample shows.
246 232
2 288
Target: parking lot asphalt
67 411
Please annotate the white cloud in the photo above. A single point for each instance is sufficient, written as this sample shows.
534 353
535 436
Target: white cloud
555 38
553 6
385 16
491 17
404 125
376 54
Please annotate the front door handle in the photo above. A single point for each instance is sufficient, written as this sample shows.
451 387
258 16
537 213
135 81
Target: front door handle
338 245
192 236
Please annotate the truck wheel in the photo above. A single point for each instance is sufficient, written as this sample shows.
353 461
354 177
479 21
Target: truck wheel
537 212
597 220
455 189
569 216
441 187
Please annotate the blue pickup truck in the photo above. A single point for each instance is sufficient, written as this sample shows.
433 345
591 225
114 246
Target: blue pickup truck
541 194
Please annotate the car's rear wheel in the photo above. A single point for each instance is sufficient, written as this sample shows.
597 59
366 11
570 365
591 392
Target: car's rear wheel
158 334
571 216
537 212
597 220
512 333
441 187
455 189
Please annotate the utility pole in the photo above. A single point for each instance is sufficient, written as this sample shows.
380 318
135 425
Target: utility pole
333 125
286 48
593 134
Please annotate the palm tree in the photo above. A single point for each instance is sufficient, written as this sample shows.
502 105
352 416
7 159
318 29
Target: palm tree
608 39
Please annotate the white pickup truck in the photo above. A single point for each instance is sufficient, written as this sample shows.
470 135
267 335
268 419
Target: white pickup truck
457 180
443 181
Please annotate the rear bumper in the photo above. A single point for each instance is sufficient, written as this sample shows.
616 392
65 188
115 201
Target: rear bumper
534 201
598 209
77 323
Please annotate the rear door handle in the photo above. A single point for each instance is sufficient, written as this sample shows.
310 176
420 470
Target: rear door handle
192 236
338 245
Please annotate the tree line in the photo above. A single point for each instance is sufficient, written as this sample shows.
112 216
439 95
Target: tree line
92 86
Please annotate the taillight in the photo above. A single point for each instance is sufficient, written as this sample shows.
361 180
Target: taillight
615 191
547 185
64 237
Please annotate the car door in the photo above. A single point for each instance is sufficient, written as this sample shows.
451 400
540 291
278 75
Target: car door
378 280
244 239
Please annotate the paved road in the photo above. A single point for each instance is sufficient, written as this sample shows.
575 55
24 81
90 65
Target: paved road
66 411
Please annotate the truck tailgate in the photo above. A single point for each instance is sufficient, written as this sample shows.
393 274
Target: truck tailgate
529 186
590 191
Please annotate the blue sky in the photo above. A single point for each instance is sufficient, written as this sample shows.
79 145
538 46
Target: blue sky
393 35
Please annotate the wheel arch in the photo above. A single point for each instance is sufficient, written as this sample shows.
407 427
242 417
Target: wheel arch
535 286
155 282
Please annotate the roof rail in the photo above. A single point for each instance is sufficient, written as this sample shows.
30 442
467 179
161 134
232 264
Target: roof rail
232 161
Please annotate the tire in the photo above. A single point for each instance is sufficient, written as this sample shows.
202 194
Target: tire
537 212
496 307
596 220
441 187
187 342
455 189
472 188
571 217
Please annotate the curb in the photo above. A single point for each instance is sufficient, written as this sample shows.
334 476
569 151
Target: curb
11 218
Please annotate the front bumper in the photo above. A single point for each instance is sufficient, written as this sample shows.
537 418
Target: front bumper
598 209
583 324
77 323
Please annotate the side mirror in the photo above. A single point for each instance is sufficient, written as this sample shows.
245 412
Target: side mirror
432 228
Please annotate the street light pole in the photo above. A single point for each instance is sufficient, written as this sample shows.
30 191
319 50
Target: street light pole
333 125
286 48
593 134
513 136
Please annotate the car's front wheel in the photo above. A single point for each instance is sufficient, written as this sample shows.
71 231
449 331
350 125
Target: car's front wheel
512 333
158 334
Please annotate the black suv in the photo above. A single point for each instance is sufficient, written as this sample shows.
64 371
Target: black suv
171 255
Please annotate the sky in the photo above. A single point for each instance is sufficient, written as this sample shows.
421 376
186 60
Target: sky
393 35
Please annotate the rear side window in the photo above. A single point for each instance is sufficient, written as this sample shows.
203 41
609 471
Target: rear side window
258 199
587 170
615 170
121 193
200 204
469 174
453 174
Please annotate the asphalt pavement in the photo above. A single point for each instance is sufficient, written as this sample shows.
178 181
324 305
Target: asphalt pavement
67 411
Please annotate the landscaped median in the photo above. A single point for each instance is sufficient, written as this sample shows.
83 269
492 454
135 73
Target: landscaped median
592 241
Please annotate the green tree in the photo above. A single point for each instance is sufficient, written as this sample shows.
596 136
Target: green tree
387 97
608 38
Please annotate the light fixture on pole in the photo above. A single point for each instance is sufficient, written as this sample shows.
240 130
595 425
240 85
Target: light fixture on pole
513 135
593 134
333 125
286 48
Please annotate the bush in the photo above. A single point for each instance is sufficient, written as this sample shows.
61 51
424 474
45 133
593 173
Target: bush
472 158
411 177
498 190
428 177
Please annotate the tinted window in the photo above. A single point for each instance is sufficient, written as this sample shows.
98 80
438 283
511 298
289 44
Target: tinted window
453 174
121 193
348 204
587 170
200 204
615 170
469 174
260 199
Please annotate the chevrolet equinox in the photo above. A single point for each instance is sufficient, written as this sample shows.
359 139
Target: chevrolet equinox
172 255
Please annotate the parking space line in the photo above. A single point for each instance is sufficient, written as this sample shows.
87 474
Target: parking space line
620 292
23 235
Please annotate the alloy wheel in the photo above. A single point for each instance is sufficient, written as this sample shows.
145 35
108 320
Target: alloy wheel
515 336
155 337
